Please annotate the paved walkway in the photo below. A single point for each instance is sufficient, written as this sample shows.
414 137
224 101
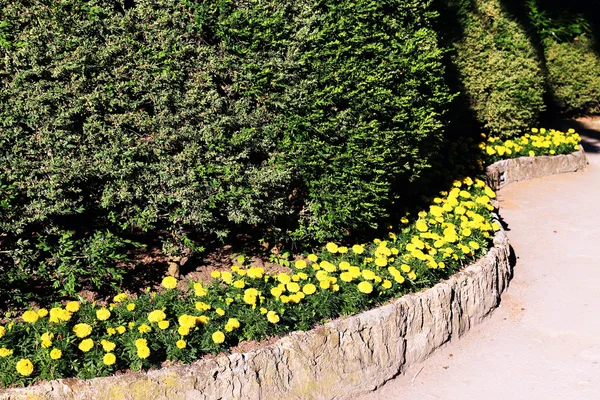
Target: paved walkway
544 340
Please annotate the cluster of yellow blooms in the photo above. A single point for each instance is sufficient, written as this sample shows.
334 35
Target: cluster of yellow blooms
540 142
246 302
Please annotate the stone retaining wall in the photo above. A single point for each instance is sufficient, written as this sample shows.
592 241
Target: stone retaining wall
343 358
504 172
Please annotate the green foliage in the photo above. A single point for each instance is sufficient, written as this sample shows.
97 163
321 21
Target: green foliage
556 25
574 76
303 119
498 68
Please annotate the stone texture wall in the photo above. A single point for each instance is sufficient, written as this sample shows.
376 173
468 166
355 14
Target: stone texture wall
504 172
343 358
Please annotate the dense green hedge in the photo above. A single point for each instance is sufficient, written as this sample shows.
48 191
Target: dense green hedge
302 119
497 66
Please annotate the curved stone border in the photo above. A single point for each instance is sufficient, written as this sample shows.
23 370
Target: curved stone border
343 358
503 172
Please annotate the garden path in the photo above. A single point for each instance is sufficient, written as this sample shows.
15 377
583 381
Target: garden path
544 340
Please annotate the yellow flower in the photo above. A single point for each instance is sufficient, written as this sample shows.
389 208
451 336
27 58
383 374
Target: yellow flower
218 337
169 282
404 220
220 311
130 306
342 249
239 284
4 352
215 274
143 352
309 289
200 290
381 261
30 316
121 297
55 354
72 306
272 317
331 247
103 314
107 346
284 278
141 343
82 330
300 264
368 274
277 291
163 325
86 345
111 331
2 331
24 367
292 287
421 226
313 258
109 359
234 323
42 312
386 284
187 321
46 343
121 329
181 344
183 330
365 287
156 316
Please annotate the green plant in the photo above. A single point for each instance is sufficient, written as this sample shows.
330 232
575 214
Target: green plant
497 66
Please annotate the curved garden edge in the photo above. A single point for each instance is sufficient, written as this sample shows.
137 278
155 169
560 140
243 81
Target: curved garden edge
345 357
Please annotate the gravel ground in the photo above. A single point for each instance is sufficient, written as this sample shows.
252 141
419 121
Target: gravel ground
544 340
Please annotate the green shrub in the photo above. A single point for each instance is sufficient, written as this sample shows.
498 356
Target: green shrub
574 76
301 119
498 68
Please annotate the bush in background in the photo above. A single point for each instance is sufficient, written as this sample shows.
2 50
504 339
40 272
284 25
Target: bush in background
497 67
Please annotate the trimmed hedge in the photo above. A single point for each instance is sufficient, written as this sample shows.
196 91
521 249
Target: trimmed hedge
574 76
301 119
497 66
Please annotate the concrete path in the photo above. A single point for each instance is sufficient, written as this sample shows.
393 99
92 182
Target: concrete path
544 340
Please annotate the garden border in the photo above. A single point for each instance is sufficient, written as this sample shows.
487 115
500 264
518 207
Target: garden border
343 358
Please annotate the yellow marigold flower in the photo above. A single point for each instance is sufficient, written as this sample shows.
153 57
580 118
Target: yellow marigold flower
82 330
131 324
86 345
187 320
284 278
121 329
239 284
2 331
368 274
103 314
121 297
203 319
365 287
30 316
183 330
220 311
24 367
55 354
346 276
263 310
200 290
309 289
47 336
169 282
228 300
276 291
46 343
42 312
218 337
107 346
200 306
72 306
331 247
143 352
342 249
4 352
109 359
130 306
466 232
386 284
111 331
180 344
141 343
256 272
292 287
144 328
156 316
474 245
300 264
272 317
234 322
404 220
226 277
421 226
312 258
215 274
163 325
381 261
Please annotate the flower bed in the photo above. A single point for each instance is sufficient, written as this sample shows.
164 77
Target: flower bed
88 340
